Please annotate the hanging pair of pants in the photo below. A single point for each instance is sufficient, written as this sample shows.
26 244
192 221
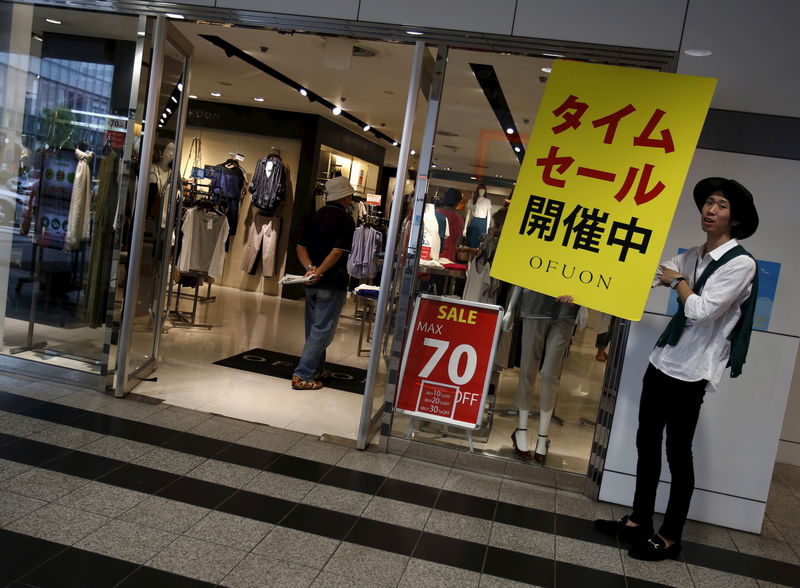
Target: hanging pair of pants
674 405
262 242
323 308
544 343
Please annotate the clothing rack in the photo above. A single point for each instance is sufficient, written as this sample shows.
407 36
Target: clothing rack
189 319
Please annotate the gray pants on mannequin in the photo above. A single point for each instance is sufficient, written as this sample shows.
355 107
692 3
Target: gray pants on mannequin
547 326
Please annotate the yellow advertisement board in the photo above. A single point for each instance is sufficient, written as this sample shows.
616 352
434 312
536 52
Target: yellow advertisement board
602 175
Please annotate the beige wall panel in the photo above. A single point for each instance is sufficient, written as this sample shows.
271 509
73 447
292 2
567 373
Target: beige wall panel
345 9
495 17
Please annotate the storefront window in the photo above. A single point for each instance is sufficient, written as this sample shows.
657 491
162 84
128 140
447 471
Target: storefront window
64 146
547 393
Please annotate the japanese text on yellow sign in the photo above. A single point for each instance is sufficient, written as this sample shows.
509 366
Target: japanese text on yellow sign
600 181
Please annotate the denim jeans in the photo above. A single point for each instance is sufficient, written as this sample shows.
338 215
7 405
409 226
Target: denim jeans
674 405
323 307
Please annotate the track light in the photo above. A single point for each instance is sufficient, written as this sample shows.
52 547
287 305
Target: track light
337 110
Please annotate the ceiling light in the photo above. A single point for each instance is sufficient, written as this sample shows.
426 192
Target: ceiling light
433 165
159 126
216 94
510 131
415 33
413 152
173 15
473 178
168 109
547 69
38 38
517 149
141 33
192 96
367 127
175 100
258 99
180 87
394 143
698 52
53 21
552 55
337 110
303 92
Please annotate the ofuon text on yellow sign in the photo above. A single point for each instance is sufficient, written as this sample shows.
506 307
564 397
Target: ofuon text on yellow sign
602 175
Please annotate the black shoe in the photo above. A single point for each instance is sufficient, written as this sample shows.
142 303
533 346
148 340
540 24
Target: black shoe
623 531
654 549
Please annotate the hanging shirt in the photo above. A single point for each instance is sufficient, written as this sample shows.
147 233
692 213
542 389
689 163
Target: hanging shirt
367 243
455 224
78 224
203 244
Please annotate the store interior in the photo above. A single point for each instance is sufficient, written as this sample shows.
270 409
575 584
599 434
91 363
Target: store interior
239 115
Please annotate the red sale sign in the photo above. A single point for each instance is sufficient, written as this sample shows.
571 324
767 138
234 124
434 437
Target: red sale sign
447 360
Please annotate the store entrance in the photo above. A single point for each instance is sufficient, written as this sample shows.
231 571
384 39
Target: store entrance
231 333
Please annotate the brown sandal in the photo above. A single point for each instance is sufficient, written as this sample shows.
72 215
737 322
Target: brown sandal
299 384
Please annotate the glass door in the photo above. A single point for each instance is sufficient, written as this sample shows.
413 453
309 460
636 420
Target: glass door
151 218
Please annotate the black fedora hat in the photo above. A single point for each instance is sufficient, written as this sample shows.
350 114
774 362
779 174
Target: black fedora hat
742 206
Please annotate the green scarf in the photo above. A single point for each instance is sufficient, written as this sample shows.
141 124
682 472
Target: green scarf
740 336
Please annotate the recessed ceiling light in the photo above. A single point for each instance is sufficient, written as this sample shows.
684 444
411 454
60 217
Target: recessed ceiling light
547 69
258 99
517 149
367 127
192 96
336 110
303 92
53 21
173 15
510 131
413 152
416 33
433 165
697 52
216 94
552 55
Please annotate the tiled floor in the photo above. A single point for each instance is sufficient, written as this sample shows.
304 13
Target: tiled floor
132 493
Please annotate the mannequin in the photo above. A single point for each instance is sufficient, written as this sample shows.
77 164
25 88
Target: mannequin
480 213
159 173
547 327
431 231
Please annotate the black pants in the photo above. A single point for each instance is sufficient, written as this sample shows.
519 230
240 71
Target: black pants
675 405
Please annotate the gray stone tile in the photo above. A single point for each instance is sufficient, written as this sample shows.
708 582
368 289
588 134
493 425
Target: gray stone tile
311 448
395 512
117 448
43 390
59 523
431 453
425 573
667 572
331 580
197 559
307 549
177 418
337 499
280 486
459 526
167 460
769 530
789 475
708 578
103 499
570 482
575 505
130 409
769 548
230 530
371 566
473 484
528 495
14 506
589 555
420 472
10 382
43 484
22 426
489 581
255 571
164 514
397 446
271 439
531 474
368 461
223 428
127 541
523 540
480 464
86 399
65 436
708 535
221 472
10 469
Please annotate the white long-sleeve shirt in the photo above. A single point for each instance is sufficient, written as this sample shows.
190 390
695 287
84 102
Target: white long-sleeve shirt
703 350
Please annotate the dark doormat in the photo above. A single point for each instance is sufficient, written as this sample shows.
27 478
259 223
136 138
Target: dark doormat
281 365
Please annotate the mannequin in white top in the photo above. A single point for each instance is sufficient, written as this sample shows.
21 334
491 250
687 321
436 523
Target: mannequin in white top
430 231
480 212
159 171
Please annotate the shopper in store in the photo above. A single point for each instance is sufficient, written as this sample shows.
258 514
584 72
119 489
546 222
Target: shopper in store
717 287
323 248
